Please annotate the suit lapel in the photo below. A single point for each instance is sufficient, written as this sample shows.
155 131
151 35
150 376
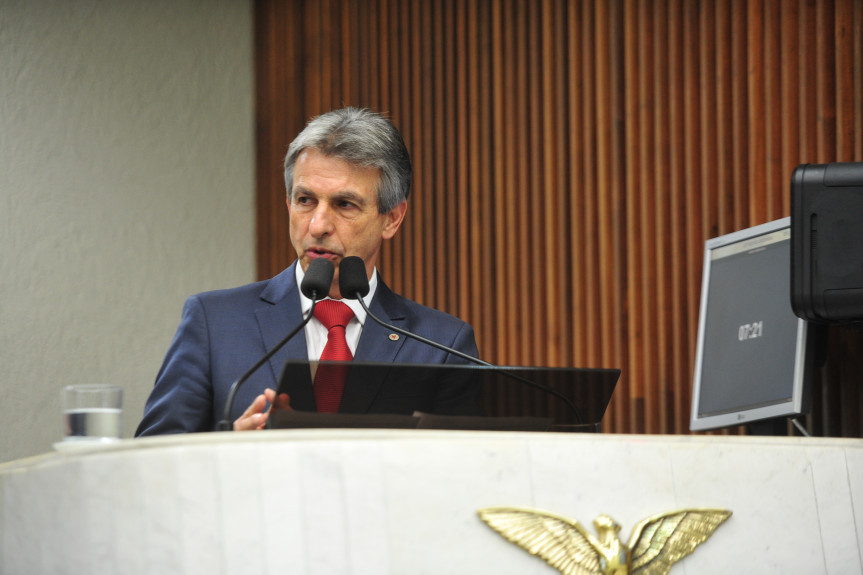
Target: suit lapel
279 313
375 342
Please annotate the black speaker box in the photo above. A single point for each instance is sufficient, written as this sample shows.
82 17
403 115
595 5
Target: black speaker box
827 242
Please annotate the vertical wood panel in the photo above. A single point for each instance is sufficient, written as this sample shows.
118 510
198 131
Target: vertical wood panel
677 230
789 93
502 192
660 144
845 42
825 81
857 83
651 276
633 64
690 157
574 269
778 200
757 133
725 196
571 157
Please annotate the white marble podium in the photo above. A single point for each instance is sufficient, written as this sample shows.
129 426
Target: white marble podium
399 502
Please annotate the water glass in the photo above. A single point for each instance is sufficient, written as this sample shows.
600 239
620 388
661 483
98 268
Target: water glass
92 412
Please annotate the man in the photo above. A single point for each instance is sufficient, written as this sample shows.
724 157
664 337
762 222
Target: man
347 176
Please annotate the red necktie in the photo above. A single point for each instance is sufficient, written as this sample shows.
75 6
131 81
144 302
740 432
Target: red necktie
330 379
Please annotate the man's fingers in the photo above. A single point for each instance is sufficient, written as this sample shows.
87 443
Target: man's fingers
253 418
283 401
254 421
256 407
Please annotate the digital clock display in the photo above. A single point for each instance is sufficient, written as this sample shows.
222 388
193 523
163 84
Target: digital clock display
750 331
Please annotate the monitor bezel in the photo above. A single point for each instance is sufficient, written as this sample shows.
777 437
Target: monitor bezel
798 404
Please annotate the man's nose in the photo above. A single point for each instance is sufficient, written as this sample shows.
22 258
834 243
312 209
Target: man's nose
321 223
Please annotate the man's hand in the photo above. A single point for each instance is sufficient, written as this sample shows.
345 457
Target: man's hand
255 417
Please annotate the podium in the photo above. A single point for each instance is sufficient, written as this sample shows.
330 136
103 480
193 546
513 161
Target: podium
370 501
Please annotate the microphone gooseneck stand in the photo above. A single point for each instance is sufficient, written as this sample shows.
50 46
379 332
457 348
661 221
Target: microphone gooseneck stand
315 285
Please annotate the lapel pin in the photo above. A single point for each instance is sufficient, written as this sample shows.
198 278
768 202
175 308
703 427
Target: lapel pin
394 337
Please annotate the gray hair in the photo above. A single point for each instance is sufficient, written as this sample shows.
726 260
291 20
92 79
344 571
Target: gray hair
361 138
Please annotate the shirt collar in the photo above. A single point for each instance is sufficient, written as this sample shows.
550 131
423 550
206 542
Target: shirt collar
359 312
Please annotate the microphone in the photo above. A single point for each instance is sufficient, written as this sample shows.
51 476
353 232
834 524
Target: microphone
315 286
354 284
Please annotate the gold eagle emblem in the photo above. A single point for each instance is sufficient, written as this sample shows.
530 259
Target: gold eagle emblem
656 543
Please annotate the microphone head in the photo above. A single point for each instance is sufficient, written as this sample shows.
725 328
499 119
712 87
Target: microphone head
316 283
353 281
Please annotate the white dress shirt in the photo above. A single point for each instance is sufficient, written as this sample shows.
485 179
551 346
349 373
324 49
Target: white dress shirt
316 333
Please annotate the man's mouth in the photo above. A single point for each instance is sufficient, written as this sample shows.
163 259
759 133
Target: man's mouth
314 253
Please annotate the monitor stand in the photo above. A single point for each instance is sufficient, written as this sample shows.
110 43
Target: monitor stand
776 426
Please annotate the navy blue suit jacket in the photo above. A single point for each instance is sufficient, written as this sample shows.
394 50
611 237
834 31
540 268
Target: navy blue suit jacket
223 333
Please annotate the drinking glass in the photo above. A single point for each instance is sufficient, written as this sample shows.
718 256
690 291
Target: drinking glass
92 412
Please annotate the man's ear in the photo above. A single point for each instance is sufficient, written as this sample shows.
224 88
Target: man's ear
394 217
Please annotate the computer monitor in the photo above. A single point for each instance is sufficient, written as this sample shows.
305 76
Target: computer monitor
754 356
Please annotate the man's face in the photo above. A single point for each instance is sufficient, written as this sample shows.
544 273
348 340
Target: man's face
334 213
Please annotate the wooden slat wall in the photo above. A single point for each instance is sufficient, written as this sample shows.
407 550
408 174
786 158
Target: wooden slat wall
571 158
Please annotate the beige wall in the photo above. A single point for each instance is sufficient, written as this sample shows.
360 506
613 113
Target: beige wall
126 184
